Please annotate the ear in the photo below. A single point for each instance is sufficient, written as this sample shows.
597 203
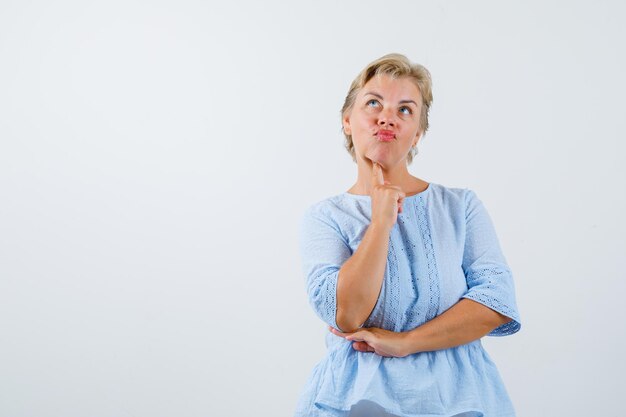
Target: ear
345 120
417 138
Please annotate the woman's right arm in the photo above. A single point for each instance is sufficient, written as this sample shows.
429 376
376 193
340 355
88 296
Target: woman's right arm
360 278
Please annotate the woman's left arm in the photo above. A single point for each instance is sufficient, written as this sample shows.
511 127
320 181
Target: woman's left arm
462 323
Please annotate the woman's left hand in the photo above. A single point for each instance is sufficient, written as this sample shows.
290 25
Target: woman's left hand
373 339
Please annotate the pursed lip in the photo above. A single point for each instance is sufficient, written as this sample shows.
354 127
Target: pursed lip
385 135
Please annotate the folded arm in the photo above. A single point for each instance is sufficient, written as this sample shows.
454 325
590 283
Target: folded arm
463 323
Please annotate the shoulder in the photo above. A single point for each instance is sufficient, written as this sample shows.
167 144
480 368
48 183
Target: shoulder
452 197
328 211
324 207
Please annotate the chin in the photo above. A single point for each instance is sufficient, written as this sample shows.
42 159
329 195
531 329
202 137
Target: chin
382 162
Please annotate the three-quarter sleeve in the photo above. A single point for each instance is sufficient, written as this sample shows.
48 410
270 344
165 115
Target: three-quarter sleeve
489 278
323 250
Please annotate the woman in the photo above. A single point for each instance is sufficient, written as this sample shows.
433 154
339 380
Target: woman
408 274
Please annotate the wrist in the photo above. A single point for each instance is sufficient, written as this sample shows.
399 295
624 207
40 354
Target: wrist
380 227
412 341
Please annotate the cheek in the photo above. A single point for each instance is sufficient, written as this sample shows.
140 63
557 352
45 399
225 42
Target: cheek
365 121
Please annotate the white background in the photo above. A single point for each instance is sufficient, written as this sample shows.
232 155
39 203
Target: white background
156 157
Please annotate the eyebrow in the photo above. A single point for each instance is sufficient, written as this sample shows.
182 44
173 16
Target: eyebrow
381 97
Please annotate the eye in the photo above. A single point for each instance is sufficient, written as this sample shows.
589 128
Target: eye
406 110
372 103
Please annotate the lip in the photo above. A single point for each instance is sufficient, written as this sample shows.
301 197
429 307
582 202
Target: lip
385 135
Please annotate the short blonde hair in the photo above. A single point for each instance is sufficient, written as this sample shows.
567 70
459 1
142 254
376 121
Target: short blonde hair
396 66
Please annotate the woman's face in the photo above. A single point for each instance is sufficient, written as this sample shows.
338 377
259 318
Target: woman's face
384 120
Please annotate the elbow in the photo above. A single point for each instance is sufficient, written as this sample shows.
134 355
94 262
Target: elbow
346 324
351 314
496 320
501 319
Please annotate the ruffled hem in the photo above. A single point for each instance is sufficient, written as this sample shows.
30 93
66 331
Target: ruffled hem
441 383
372 409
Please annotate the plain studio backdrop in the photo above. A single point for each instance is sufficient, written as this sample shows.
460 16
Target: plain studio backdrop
156 158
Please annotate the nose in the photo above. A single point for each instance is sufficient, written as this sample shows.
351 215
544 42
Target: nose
386 118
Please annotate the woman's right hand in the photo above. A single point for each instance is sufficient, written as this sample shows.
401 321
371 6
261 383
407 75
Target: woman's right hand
386 199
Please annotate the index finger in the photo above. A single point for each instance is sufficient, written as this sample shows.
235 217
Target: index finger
377 174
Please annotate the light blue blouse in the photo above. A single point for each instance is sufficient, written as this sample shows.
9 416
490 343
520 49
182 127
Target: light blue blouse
442 248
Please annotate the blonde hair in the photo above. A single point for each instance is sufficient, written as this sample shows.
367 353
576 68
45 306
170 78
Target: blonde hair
396 66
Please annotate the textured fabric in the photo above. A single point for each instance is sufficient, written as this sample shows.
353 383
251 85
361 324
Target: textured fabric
365 408
442 248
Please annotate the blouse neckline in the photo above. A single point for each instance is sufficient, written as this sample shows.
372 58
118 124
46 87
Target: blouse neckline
367 196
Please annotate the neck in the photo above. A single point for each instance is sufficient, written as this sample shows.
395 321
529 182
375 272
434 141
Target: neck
397 175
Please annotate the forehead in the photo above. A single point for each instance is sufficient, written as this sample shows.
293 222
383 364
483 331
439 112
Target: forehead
402 88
